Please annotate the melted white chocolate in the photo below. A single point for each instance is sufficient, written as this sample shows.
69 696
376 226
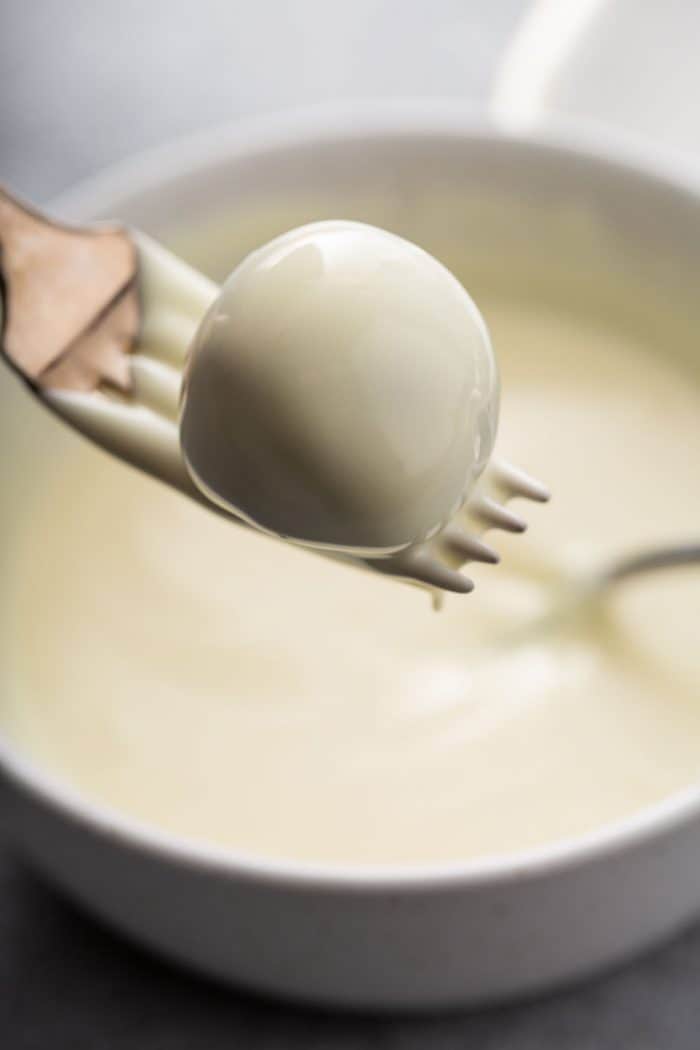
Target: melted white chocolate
230 688
341 391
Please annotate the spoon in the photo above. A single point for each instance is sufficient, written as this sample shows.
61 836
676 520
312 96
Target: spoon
579 594
654 559
122 340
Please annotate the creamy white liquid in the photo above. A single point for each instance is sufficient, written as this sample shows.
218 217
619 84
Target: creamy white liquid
231 688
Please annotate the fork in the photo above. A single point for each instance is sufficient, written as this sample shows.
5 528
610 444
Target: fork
98 321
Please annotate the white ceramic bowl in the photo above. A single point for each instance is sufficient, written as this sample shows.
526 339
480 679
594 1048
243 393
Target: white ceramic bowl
458 934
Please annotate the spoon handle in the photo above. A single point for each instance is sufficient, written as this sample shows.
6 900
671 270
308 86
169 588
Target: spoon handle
673 556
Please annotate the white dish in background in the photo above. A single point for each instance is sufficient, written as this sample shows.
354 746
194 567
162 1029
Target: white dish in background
381 938
580 60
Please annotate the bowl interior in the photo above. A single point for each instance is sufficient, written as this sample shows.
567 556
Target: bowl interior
513 219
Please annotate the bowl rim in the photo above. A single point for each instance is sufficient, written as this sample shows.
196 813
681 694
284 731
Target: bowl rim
190 155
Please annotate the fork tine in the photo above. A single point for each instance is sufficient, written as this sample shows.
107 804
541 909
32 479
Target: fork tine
420 565
515 482
468 546
494 515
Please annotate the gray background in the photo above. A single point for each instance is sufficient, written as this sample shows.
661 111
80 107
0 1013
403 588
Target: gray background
84 83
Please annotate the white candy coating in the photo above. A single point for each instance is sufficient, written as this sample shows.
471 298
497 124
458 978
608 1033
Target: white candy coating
341 391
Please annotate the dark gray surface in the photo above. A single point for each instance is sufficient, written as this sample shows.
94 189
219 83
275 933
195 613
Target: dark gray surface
84 83
67 984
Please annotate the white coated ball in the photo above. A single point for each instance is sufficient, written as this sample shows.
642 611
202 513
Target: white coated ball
342 390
